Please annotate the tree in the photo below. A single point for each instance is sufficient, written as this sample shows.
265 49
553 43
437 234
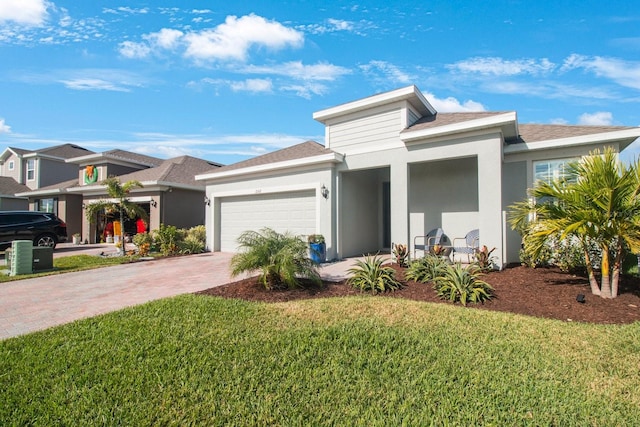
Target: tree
601 206
118 202
281 258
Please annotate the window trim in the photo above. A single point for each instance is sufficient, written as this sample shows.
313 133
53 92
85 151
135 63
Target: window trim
12 165
33 170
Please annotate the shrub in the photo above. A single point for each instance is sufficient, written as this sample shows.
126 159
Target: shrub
167 237
460 284
195 240
426 269
370 275
199 232
142 238
483 259
281 258
401 254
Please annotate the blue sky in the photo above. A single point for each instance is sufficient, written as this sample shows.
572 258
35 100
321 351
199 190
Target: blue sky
228 80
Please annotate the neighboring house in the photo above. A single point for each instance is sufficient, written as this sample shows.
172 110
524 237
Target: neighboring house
170 194
393 168
40 168
8 199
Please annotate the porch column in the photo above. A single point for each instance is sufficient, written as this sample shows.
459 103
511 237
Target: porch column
490 199
399 188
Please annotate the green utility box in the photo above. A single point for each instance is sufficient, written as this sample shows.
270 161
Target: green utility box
42 259
20 258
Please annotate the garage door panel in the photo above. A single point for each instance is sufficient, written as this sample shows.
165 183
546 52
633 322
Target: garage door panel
293 211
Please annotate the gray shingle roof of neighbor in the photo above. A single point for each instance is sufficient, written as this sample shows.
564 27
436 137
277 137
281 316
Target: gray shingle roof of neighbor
10 187
298 151
59 186
133 157
541 132
64 151
179 170
19 151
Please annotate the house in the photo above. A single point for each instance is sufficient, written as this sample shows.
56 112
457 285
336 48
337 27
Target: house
170 193
393 168
23 170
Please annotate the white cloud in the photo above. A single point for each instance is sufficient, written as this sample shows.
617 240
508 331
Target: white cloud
252 85
386 74
503 67
229 41
166 38
321 71
331 25
130 49
233 39
27 12
93 84
600 118
306 90
624 73
452 105
4 128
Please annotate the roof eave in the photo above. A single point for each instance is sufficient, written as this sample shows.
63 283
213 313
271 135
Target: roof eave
410 93
507 121
288 164
626 136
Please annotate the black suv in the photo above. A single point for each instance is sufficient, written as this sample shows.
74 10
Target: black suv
44 229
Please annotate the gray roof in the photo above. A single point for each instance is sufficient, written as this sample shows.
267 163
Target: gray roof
10 187
444 119
298 151
539 132
129 156
179 170
64 151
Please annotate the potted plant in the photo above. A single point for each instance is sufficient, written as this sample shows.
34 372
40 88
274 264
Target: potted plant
317 248
76 238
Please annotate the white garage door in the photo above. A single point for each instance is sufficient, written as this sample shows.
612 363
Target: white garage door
293 211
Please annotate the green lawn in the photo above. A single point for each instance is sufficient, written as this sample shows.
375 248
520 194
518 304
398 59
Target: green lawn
72 263
349 361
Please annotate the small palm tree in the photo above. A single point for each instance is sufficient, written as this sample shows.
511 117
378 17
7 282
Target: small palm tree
602 206
119 202
281 258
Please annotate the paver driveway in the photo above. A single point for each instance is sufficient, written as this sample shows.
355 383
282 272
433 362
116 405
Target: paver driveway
34 304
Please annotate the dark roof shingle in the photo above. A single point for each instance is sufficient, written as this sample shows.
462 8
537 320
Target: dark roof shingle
298 151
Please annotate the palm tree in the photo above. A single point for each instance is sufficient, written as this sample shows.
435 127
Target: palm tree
601 206
281 258
119 202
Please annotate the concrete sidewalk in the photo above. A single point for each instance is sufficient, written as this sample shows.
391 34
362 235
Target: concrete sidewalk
34 304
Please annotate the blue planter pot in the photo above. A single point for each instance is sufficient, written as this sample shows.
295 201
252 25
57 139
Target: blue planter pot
318 252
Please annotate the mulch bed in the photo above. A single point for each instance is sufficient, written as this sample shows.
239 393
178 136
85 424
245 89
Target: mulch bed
540 292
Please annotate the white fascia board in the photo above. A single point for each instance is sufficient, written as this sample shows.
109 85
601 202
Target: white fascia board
307 161
605 137
8 151
402 94
165 185
470 125
42 192
44 156
98 157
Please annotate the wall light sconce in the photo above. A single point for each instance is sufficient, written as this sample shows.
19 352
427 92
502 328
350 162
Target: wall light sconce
153 203
207 201
84 206
324 191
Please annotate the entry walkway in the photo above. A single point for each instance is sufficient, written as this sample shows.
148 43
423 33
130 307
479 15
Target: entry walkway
34 304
